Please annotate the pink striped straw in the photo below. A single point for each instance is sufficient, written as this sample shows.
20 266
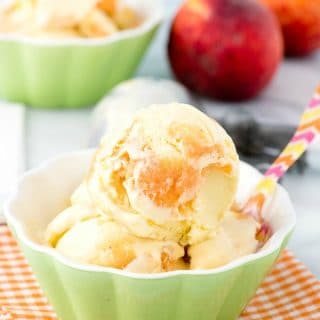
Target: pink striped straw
307 131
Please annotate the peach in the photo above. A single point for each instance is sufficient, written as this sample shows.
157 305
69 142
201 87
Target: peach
300 22
225 49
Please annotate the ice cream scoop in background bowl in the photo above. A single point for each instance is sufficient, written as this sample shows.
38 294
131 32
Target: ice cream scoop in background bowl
73 72
125 99
86 292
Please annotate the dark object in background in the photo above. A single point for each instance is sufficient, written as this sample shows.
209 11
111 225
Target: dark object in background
259 144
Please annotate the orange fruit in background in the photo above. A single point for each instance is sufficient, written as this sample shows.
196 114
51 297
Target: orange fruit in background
300 22
225 49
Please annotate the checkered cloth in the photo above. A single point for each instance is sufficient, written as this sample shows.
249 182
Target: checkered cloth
289 292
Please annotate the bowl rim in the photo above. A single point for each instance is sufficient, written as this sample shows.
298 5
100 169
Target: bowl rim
277 238
154 19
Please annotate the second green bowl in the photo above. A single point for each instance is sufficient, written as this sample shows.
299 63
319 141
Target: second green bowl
71 73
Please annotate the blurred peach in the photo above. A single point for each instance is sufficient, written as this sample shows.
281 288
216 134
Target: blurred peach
225 49
300 22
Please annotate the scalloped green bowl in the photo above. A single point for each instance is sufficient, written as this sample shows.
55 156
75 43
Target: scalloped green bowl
83 292
71 73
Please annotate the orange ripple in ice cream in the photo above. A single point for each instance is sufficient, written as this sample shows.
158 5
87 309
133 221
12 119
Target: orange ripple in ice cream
169 175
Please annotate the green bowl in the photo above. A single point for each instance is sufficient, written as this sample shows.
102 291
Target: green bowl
72 73
85 292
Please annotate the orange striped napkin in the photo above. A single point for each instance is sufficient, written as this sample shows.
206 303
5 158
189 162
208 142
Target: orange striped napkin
289 292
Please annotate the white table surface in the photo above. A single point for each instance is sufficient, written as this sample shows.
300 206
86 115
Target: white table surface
49 133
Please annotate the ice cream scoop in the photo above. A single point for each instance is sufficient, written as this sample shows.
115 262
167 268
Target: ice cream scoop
234 239
171 174
83 235
67 19
62 14
103 242
158 196
118 107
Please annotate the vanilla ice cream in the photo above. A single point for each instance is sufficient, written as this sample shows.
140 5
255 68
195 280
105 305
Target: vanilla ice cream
61 13
170 175
67 19
103 242
83 235
157 197
118 107
234 239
